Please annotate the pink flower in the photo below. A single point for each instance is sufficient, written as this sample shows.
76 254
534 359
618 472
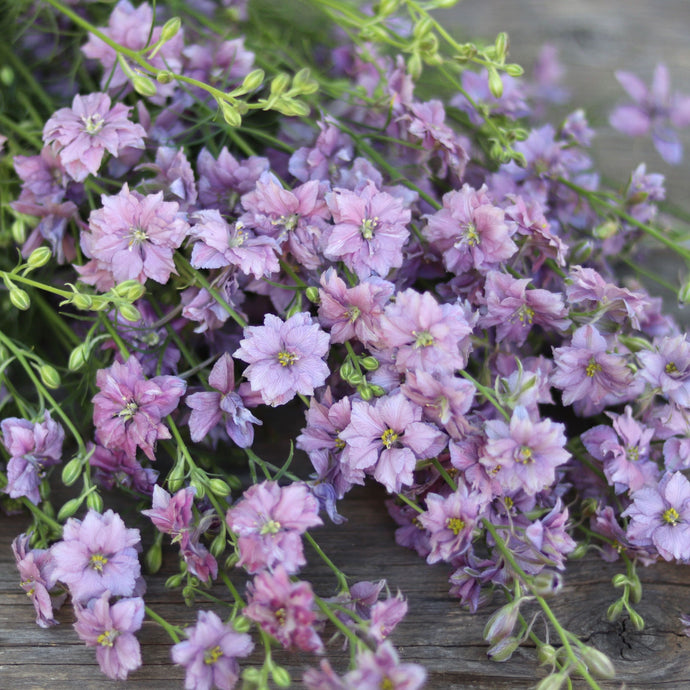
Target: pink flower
172 514
82 134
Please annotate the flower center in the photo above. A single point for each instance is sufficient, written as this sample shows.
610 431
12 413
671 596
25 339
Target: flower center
212 655
523 455
97 561
525 315
455 525
238 237
287 359
387 684
368 226
471 236
353 314
270 527
289 222
671 517
128 411
339 443
422 339
93 123
389 437
633 453
592 368
671 368
137 236
107 638
280 616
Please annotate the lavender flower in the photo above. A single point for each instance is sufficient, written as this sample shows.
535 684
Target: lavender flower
172 514
97 554
667 368
284 609
654 110
110 629
382 669
210 653
285 357
129 408
268 521
117 468
83 133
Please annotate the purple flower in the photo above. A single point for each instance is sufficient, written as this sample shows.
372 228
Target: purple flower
133 237
174 176
284 609
451 521
586 371
470 231
209 408
268 521
97 554
428 336
210 653
385 616
172 514
285 357
660 517
129 408
83 133
382 669
36 573
370 230
524 454
654 110
332 149
387 438
117 468
110 629
33 447
667 368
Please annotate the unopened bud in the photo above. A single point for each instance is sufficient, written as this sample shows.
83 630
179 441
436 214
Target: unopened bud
20 298
230 113
378 391
79 356
154 558
131 290
514 70
218 545
346 370
144 86
495 83
546 655
553 682
580 551
82 301
95 501
39 257
619 580
164 77
176 478
170 28
365 393
590 506
606 230
280 84
369 363
423 27
70 508
174 581
502 622
129 312
234 481
503 649
636 619
71 471
547 583
281 677
6 75
501 45
218 487
598 663
387 7
312 294
241 624
635 589
303 82
18 230
253 80
49 376
614 611
252 676
414 66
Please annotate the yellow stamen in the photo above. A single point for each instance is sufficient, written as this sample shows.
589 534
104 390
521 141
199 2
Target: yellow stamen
455 525
287 359
389 437
212 655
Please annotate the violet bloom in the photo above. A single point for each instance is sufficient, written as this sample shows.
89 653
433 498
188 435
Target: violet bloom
514 309
210 653
470 232
133 237
110 629
285 357
118 469
660 517
33 447
370 230
36 574
667 368
385 616
332 150
284 609
387 438
353 312
653 110
586 371
451 521
172 514
426 335
269 521
83 133
209 408
96 554
382 669
524 454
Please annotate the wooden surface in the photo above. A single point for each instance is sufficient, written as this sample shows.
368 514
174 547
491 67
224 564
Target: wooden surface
595 37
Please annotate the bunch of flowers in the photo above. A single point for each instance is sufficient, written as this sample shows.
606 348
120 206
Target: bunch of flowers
210 224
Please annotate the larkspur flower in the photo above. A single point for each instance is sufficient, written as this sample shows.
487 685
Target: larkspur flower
660 517
285 357
83 133
110 629
209 654
284 609
133 237
385 616
128 408
269 521
331 150
96 554
118 469
382 669
667 368
172 514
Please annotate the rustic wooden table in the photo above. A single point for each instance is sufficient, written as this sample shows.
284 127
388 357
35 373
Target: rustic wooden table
595 37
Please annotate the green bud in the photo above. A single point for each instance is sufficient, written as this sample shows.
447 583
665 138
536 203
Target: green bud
20 298
130 290
414 66
39 257
71 471
170 29
614 611
369 363
18 230
295 307
606 230
280 84
231 561
519 158
280 677
346 370
218 544
501 45
218 487
503 649
312 294
387 7
424 26
144 86
253 80
230 113
154 558
129 312
49 376
495 83
598 663
303 82
95 502
82 301
636 619
174 581
553 682
99 303
619 580
164 77
176 478
6 75
251 675
502 622
199 486
684 293
546 655
242 624
635 589
79 356
547 583
514 70
44 489
378 391
581 252
69 508
580 551
292 108
520 134
365 393
234 481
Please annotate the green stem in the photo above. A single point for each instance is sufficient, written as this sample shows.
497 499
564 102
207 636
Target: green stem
442 471
487 393
41 516
172 630
340 576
